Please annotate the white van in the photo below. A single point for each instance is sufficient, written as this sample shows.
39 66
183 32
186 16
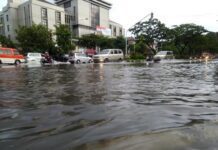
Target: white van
107 55
33 57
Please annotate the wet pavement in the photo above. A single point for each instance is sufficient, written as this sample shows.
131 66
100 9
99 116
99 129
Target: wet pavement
155 106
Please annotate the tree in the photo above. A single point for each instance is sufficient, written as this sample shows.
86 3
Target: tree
105 42
6 42
63 39
188 39
120 43
151 30
36 38
89 41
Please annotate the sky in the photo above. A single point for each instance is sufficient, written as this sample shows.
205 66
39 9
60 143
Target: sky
169 12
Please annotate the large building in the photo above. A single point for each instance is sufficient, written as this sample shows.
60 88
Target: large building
82 16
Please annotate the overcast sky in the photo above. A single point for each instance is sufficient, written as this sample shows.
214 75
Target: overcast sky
170 12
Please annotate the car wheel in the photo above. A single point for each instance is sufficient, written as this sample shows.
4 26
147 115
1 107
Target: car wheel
106 60
17 62
90 61
120 59
78 61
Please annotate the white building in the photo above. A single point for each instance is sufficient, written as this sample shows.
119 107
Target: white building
18 13
82 16
116 29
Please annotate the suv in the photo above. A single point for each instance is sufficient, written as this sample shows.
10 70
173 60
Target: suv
79 58
33 57
107 55
10 56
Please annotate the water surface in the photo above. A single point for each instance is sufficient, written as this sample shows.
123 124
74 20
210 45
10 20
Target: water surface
167 105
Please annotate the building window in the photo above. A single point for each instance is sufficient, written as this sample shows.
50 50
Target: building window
1 30
44 16
110 26
8 27
115 31
74 14
1 20
58 18
68 19
95 16
44 13
121 32
45 22
9 36
7 18
67 4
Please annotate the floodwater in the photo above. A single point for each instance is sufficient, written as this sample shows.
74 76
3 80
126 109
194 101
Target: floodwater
154 106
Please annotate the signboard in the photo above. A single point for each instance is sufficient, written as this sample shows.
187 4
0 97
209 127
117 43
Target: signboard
104 31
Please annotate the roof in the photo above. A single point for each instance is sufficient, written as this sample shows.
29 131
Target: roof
46 2
115 22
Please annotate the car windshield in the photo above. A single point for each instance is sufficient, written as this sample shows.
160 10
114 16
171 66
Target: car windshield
16 52
162 53
34 54
80 55
105 51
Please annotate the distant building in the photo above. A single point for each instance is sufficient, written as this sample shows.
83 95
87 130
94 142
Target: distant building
16 13
116 29
82 16
89 15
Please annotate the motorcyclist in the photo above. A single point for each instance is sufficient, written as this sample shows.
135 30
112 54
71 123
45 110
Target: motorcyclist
47 58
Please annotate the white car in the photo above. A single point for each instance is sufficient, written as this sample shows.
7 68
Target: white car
79 58
107 55
163 55
34 57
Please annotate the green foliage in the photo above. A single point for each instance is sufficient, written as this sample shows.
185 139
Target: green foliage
36 38
140 46
63 39
120 43
104 42
151 30
6 42
89 41
189 39
137 56
92 40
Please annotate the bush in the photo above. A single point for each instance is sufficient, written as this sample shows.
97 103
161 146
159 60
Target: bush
137 56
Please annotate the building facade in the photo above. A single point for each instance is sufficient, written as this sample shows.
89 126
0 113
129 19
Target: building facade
116 29
19 13
82 16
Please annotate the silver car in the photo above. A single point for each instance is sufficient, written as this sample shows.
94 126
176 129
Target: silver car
79 58
163 55
107 55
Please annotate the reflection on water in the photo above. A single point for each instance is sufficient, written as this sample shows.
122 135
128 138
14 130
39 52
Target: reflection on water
113 106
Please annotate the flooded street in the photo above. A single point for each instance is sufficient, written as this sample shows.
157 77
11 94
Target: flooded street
154 106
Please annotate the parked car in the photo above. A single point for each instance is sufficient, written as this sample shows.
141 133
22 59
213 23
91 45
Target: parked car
107 55
34 57
61 58
163 55
79 58
10 56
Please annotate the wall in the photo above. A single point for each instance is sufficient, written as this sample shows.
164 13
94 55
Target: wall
104 17
51 9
